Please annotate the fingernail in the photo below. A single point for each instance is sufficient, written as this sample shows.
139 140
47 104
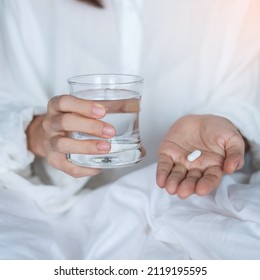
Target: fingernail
109 130
99 110
103 146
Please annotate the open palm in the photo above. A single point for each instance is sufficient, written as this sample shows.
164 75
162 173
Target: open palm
222 148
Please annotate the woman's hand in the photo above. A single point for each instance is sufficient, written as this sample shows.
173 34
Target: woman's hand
48 135
222 148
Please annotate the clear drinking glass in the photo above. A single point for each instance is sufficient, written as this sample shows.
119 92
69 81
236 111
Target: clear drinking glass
121 95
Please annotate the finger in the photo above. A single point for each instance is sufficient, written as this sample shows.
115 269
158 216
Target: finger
67 145
69 103
60 162
176 176
187 186
164 167
234 157
71 122
209 181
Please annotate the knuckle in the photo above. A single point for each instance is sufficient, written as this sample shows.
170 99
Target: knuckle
89 106
46 144
176 175
57 144
211 178
62 102
62 121
46 124
97 127
60 144
50 103
88 147
58 103
192 178
74 171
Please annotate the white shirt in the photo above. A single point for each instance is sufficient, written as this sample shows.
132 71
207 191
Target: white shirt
196 57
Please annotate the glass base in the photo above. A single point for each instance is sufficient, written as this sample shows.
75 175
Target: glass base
112 160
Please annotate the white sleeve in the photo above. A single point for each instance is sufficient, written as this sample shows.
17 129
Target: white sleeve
14 154
25 88
21 92
237 96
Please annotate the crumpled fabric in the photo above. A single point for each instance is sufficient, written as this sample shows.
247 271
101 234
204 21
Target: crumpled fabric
134 219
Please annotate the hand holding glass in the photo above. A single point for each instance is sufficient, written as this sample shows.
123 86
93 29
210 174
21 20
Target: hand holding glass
121 96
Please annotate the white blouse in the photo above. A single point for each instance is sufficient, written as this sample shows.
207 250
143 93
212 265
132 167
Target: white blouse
195 56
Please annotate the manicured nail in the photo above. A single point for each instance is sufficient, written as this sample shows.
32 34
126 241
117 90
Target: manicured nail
109 131
103 146
99 110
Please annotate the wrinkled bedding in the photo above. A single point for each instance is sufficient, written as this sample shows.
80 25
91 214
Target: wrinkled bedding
134 219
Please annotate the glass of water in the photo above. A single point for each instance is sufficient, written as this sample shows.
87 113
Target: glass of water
121 96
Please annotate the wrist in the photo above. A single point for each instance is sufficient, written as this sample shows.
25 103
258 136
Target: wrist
34 135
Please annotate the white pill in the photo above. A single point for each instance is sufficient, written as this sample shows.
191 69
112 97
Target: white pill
194 155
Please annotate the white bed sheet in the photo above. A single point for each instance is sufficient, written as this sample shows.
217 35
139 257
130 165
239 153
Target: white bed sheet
134 219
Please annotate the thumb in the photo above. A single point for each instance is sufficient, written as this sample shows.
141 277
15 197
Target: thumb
234 157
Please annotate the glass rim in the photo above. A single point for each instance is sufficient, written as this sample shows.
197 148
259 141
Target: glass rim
74 79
